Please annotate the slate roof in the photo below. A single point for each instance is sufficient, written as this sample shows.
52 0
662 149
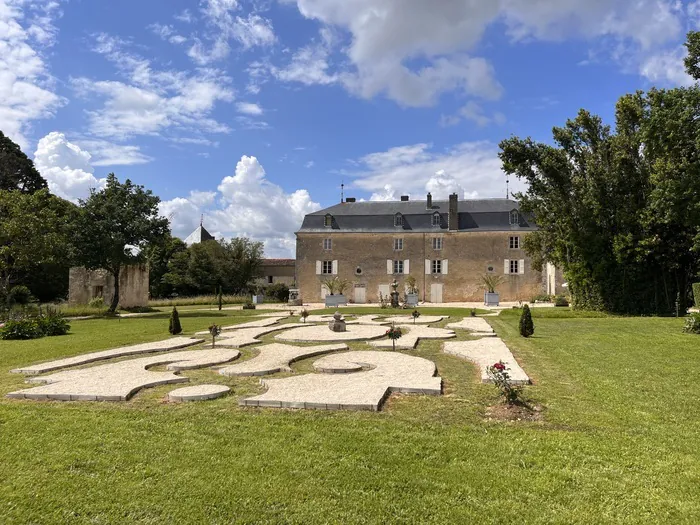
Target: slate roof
278 262
199 235
378 217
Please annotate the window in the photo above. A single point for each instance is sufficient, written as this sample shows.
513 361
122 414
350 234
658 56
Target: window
437 243
398 220
328 220
437 266
398 244
327 268
514 267
269 279
436 219
514 217
398 266
327 244
514 243
98 291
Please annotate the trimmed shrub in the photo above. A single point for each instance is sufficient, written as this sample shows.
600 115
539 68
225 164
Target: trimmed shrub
26 328
53 324
174 327
220 299
692 324
96 302
249 306
696 294
527 327
19 295
278 291
561 301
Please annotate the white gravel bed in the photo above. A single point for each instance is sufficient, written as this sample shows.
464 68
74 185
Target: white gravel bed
486 352
382 373
412 334
248 336
408 319
198 392
260 323
321 333
474 324
119 381
276 358
173 343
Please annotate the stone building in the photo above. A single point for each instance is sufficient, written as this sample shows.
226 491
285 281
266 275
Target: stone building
446 245
273 271
85 285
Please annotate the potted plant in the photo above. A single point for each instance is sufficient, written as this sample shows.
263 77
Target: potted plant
491 282
411 291
336 291
258 295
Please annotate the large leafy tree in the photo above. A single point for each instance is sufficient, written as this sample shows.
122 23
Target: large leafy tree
158 256
620 210
17 171
34 236
114 227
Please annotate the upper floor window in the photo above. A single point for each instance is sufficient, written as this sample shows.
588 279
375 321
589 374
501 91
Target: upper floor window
436 219
514 243
437 243
327 244
327 268
398 266
437 266
514 217
398 220
398 244
328 220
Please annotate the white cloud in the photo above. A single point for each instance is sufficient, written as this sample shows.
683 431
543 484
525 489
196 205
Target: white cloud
152 100
26 86
253 31
167 33
413 51
185 16
249 108
472 169
245 204
667 67
473 112
105 153
66 167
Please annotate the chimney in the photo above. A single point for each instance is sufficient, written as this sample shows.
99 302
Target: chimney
453 217
350 199
404 198
429 204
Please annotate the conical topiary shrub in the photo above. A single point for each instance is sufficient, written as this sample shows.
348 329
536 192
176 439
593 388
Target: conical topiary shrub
527 328
174 327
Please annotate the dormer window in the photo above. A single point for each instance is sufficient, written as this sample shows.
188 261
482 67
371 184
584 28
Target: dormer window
398 220
328 220
436 219
514 217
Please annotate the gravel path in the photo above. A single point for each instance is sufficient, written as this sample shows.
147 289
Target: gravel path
321 333
412 334
276 358
198 392
486 352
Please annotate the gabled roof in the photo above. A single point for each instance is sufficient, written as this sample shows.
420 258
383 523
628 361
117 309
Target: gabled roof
378 217
199 235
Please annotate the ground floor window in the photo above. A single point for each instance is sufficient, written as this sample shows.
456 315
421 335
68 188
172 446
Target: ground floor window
398 266
437 266
327 268
514 266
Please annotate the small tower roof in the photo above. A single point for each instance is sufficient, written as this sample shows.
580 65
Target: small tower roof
199 235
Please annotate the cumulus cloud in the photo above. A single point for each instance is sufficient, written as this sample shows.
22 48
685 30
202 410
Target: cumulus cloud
26 86
66 167
245 204
473 112
472 169
249 108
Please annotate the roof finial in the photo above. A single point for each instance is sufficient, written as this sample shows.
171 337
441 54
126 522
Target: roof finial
201 221
342 192
507 183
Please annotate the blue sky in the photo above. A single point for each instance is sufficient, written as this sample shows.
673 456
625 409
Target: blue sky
252 112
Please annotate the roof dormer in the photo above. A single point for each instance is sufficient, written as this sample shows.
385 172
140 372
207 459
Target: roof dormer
398 220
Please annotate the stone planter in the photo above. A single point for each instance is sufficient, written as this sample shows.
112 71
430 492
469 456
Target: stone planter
412 299
294 297
491 299
258 299
335 300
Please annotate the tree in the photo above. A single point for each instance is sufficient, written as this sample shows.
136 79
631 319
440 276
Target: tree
115 225
35 230
159 256
527 327
174 327
17 171
220 299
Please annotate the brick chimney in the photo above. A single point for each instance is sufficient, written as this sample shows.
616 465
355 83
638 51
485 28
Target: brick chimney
429 203
453 216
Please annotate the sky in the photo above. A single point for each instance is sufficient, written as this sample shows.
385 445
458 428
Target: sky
252 113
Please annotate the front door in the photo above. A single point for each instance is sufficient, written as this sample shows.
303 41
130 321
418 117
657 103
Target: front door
360 294
324 292
383 292
436 293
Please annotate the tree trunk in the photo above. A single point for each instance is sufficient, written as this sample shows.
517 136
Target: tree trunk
115 298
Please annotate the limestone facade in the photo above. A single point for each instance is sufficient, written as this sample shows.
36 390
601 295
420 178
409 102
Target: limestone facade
85 285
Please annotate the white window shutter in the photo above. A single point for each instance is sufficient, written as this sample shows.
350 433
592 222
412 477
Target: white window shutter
427 267
506 266
389 266
521 266
319 267
444 266
335 267
406 268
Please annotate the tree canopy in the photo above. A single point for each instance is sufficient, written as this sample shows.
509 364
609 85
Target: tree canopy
619 210
17 171
114 227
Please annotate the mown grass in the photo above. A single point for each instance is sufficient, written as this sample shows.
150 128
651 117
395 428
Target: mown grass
200 300
618 443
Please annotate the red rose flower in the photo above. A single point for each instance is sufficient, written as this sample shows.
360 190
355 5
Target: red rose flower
499 366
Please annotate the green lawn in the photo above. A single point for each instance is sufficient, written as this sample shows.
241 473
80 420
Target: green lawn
618 442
